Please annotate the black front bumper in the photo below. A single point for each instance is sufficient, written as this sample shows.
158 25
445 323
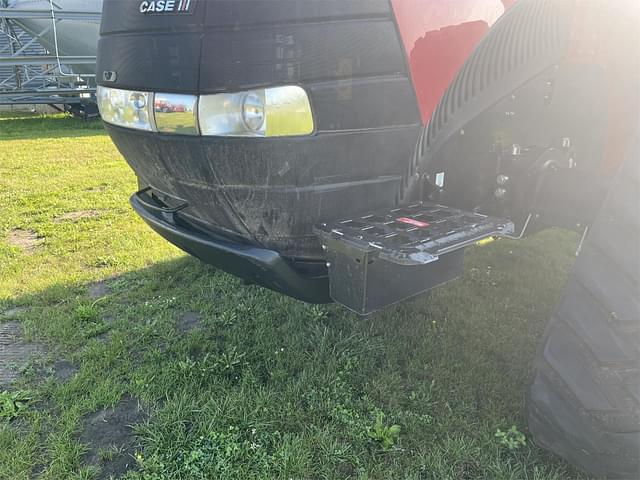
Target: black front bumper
264 267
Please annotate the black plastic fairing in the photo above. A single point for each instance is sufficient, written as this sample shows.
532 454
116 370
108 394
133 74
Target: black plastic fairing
150 52
304 53
235 13
272 191
124 17
348 57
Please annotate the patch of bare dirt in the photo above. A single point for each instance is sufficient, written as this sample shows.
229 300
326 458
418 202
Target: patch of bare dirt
109 436
15 352
78 215
63 370
98 188
27 240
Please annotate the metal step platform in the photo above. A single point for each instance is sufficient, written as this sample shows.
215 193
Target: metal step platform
384 257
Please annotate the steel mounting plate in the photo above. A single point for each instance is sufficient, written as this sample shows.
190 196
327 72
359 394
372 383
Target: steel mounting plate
383 257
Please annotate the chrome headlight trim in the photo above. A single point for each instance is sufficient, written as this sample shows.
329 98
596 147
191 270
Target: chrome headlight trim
176 113
220 115
289 112
272 112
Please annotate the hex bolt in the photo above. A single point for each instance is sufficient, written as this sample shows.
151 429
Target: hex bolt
502 179
515 150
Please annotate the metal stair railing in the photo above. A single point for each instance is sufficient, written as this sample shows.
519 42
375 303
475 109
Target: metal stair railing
45 76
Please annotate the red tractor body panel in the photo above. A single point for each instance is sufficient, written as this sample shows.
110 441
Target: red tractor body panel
438 36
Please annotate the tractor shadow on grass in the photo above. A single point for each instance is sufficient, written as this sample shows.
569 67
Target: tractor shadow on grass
134 343
56 340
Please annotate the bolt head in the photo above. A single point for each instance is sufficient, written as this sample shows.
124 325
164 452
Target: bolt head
502 179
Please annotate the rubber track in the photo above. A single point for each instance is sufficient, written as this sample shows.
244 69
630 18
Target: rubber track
584 399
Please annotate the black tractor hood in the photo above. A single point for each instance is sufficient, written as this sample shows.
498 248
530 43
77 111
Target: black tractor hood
221 45
348 57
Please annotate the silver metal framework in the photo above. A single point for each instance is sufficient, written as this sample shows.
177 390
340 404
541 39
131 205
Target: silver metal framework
30 74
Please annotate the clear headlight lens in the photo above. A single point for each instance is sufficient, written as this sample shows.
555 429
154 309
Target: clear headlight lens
271 112
125 108
222 115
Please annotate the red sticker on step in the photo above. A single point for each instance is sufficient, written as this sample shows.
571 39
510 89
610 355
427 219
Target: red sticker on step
411 221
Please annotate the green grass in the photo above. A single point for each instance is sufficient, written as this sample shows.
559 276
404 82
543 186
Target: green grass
264 387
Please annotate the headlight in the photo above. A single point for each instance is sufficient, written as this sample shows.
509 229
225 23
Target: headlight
125 108
271 112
